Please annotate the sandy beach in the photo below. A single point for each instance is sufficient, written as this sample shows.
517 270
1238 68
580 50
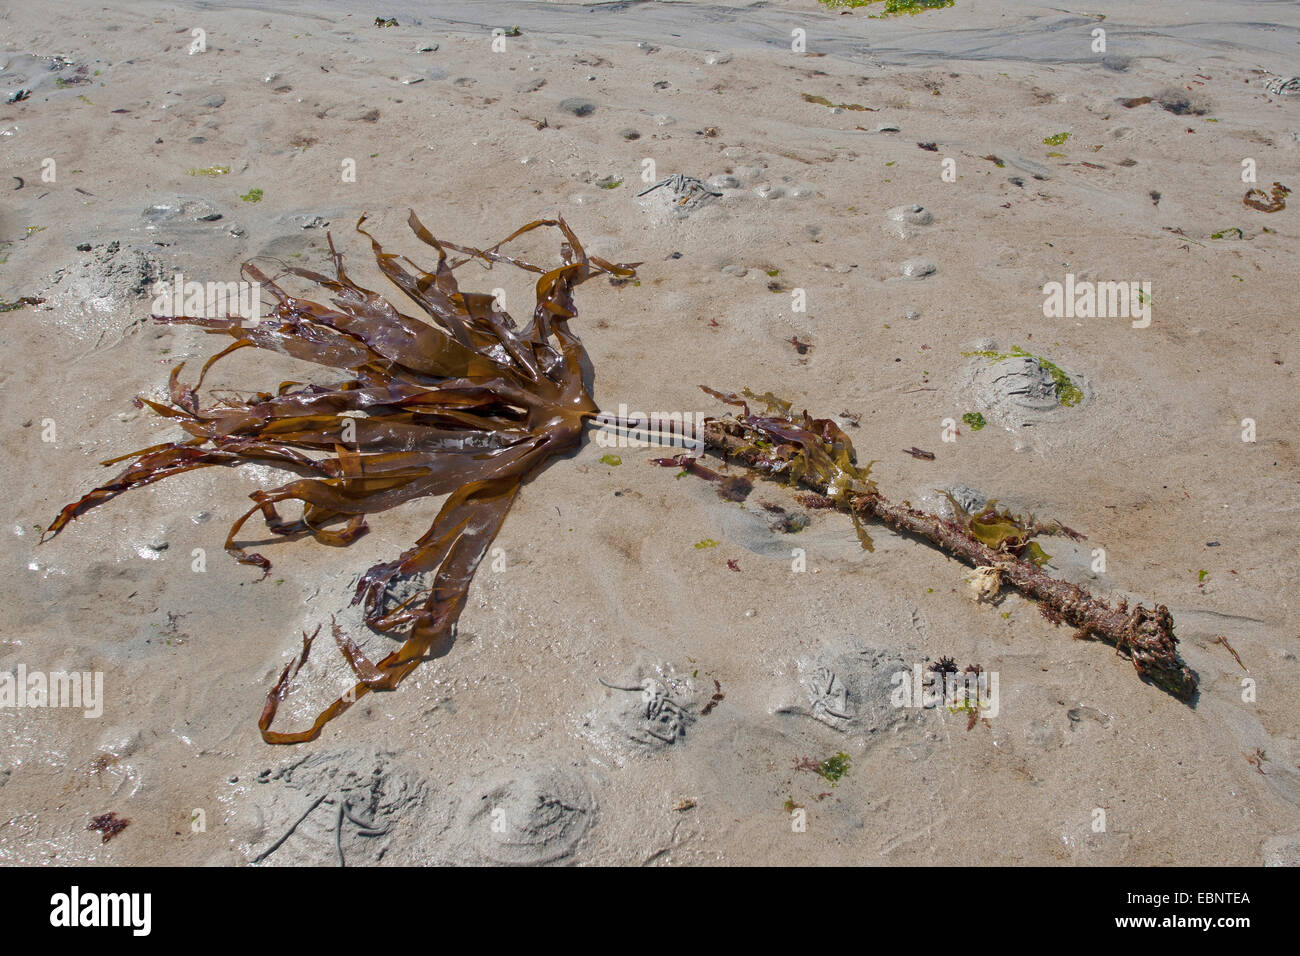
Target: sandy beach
645 672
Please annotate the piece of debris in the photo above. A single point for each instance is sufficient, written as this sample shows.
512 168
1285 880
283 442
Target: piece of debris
109 824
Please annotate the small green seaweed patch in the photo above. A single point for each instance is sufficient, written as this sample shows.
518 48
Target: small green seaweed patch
892 7
19 302
612 460
706 543
823 101
1005 532
1067 393
975 420
208 171
913 7
831 769
1056 139
253 195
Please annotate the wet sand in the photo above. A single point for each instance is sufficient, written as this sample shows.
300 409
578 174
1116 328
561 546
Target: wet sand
601 574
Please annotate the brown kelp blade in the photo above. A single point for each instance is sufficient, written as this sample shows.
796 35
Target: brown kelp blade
464 405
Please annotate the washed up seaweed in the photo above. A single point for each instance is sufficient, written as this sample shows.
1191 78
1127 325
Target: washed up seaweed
815 453
892 7
19 302
823 101
468 406
1258 199
730 487
108 825
1007 533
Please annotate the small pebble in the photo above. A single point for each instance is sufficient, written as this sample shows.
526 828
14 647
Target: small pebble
918 268
912 213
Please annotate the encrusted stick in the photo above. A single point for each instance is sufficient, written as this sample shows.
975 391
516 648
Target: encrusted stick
1146 636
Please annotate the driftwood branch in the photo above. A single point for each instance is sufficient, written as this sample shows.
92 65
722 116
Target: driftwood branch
1145 636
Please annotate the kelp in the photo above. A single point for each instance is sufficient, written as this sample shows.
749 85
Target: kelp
811 451
797 449
468 406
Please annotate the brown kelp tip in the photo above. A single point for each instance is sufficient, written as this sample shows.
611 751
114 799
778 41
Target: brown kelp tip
464 404
816 454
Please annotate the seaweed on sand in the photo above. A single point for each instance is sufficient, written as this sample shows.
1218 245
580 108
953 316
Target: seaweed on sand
817 454
469 407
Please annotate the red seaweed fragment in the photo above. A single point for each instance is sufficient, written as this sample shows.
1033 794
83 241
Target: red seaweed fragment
109 824
715 700
468 406
730 487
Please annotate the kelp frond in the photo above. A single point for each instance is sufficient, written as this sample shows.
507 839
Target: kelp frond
466 405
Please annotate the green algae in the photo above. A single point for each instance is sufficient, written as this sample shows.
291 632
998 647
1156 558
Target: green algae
835 767
823 101
892 7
